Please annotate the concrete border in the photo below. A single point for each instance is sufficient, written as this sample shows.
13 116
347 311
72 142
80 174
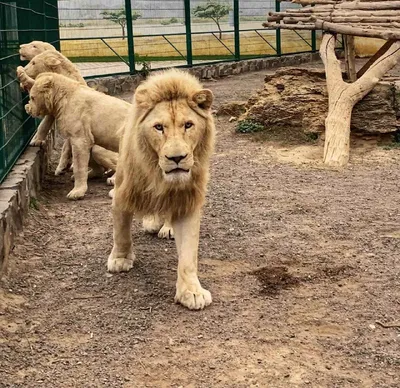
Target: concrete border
21 185
115 85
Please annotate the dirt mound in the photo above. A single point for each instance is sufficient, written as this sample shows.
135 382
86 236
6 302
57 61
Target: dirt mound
296 99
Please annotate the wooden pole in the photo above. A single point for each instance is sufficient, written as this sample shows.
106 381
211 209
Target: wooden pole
350 57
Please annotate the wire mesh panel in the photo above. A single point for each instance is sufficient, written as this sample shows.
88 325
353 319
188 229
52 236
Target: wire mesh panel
255 41
94 35
20 22
159 33
212 27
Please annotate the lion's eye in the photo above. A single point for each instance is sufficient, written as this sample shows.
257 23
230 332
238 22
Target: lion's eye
33 62
34 46
159 127
188 125
32 98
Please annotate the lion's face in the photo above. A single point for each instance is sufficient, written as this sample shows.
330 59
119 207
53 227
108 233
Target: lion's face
42 63
173 130
39 97
28 51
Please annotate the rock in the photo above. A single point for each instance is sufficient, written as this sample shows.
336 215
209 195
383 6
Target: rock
233 118
295 99
232 108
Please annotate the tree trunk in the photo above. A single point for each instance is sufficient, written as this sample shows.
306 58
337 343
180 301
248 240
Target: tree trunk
219 29
123 32
337 133
343 97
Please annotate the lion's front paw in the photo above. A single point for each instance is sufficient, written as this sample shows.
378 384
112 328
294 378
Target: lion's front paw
166 232
36 142
120 264
111 181
192 297
77 193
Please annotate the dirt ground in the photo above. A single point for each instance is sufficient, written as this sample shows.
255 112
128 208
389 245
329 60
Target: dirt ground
303 263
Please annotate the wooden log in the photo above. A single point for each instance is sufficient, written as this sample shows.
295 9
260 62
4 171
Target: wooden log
348 30
350 57
373 5
333 19
343 97
334 13
376 56
290 26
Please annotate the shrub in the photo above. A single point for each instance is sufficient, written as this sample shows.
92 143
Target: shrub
248 126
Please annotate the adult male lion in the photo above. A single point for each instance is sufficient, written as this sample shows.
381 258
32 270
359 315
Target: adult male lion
163 169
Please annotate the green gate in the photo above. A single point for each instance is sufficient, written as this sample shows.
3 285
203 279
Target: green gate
21 21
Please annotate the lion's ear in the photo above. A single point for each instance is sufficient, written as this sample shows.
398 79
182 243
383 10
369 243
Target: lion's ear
52 61
203 98
142 98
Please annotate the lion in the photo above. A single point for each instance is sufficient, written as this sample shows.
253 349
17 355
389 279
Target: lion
163 169
53 61
84 116
28 51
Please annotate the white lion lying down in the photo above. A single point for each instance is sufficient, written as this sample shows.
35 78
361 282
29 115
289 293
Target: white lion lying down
53 61
84 116
163 168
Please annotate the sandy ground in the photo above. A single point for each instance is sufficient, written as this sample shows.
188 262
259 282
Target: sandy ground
303 263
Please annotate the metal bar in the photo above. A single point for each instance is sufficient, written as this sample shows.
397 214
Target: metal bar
278 31
305 40
265 40
236 27
223 44
188 26
314 41
129 28
119 56
171 44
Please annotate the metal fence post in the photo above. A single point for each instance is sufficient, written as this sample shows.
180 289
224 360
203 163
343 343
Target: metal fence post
188 25
129 29
278 31
314 41
236 28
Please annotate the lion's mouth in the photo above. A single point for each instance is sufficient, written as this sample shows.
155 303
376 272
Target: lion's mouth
177 170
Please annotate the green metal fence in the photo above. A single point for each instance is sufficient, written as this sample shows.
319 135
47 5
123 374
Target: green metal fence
20 22
163 33
108 37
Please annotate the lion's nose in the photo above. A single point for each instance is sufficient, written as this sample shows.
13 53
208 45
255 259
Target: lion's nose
176 159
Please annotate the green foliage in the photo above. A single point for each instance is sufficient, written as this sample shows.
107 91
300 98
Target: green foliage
214 10
80 25
311 136
119 17
34 203
146 66
248 126
169 21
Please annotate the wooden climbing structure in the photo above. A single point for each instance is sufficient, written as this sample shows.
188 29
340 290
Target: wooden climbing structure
364 18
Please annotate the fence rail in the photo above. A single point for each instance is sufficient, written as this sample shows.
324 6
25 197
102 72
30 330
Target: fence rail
110 37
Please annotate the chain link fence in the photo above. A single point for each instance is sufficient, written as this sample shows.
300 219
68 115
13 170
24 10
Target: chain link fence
20 22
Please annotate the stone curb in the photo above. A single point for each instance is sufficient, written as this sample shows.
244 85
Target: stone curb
115 85
22 183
